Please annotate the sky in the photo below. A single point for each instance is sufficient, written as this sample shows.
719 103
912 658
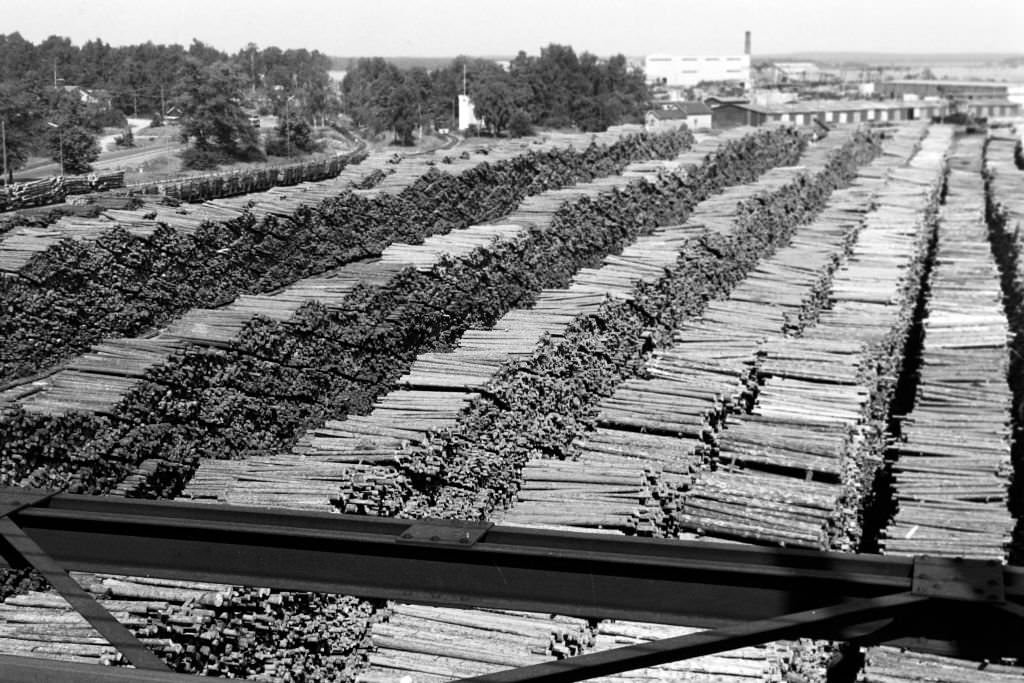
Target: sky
444 28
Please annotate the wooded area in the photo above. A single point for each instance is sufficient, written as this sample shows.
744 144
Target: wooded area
55 97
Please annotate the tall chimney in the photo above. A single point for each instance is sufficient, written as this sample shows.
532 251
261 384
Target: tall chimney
746 43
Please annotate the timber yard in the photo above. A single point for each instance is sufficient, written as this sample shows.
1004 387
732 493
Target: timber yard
697 368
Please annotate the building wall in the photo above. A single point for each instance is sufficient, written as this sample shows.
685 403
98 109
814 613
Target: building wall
467 114
897 90
694 121
730 116
653 124
687 71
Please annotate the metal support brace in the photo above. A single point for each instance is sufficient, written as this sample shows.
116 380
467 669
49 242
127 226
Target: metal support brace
656 652
14 541
748 594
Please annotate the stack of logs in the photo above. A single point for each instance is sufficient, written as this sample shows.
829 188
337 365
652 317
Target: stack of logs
434 644
951 469
807 443
200 628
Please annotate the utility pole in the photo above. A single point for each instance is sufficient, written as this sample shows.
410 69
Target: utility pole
3 142
54 73
163 105
60 133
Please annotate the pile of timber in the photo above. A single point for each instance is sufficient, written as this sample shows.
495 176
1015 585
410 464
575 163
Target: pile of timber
44 625
952 467
19 245
102 386
235 182
1006 203
892 665
807 434
202 628
55 189
672 420
439 385
434 644
769 663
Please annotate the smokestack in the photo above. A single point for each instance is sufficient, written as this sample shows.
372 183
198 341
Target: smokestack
746 43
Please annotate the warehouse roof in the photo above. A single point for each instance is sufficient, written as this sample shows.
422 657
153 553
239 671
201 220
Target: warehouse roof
693 108
936 81
667 114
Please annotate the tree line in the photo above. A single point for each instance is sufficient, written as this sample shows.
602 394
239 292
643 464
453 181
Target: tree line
211 90
556 89
45 112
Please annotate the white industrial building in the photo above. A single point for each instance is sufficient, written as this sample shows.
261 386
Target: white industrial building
688 71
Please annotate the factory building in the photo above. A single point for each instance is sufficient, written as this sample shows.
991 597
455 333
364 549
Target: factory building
922 88
730 115
686 71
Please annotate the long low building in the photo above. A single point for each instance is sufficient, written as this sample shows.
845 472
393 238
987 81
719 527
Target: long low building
730 115
921 87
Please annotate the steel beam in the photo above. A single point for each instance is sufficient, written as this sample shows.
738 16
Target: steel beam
14 669
471 565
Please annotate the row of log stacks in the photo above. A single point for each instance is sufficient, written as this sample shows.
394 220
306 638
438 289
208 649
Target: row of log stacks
196 627
605 494
539 212
892 665
408 416
55 189
1005 212
720 348
705 375
581 494
778 473
375 440
97 380
950 462
950 469
809 442
78 293
20 245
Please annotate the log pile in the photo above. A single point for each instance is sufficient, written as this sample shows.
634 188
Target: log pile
768 663
19 246
80 292
705 376
199 628
382 437
99 386
433 644
55 189
469 367
892 665
230 183
952 467
822 393
43 625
